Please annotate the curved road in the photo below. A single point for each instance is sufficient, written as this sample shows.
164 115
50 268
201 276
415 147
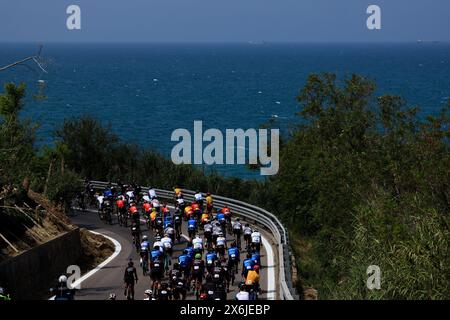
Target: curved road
110 278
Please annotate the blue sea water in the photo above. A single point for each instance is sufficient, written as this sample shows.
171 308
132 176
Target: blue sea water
148 90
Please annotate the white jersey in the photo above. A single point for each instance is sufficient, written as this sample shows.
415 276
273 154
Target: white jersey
248 231
130 194
180 201
152 193
242 295
159 244
237 226
216 230
100 200
221 241
198 196
146 198
169 230
166 242
207 227
155 203
256 237
197 243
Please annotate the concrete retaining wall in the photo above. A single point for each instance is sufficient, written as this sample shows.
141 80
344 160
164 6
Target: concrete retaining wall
32 272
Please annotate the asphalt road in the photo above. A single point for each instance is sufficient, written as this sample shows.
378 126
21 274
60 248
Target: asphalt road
109 279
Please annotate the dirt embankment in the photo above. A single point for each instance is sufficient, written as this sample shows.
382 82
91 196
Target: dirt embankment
28 220
95 249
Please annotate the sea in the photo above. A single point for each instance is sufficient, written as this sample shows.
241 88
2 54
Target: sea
148 90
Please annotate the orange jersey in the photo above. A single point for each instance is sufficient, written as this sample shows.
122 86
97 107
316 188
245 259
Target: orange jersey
147 207
205 216
195 206
133 210
120 204
188 210
225 211
153 215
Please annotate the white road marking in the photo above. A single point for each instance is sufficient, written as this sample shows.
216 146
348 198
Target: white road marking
116 252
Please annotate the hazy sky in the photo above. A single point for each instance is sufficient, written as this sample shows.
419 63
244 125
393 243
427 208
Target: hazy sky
224 20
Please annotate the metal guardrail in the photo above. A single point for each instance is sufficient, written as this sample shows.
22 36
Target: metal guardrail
260 217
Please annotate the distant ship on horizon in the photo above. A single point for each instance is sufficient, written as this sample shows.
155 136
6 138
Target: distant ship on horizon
257 42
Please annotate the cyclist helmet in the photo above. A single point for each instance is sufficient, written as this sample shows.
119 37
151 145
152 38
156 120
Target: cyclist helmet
148 292
144 237
112 296
198 256
62 279
130 263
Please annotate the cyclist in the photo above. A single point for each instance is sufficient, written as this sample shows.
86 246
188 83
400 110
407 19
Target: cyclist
198 270
130 278
112 296
192 226
145 247
252 283
216 229
156 267
164 292
221 218
248 235
256 257
209 203
197 244
242 294
221 245
146 209
226 211
121 209
188 212
148 295
133 211
177 223
207 233
247 265
237 230
211 258
179 288
151 193
198 196
165 210
156 204
184 260
233 259
256 240
170 232
166 242
136 234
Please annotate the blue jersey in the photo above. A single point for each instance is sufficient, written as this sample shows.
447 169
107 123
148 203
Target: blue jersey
167 221
107 193
248 264
233 253
190 252
192 224
184 260
155 254
220 217
256 257
210 258
145 245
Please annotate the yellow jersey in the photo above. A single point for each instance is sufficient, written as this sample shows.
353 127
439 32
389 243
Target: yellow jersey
252 277
209 200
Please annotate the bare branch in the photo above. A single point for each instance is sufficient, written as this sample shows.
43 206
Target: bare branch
21 62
